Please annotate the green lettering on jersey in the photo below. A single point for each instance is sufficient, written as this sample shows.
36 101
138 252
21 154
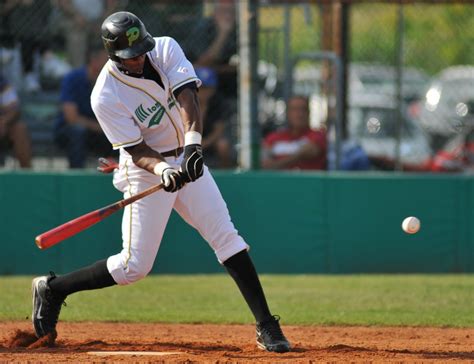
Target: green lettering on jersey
142 114
132 35
155 119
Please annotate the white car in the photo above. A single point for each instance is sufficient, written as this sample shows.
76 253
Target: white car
378 78
372 122
371 99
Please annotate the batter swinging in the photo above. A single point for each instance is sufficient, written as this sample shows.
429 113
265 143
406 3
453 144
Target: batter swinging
145 100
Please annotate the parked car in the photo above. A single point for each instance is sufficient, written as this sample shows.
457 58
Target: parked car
366 77
380 146
378 78
363 78
446 101
372 96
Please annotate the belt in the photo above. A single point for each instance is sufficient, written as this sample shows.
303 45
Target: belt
173 153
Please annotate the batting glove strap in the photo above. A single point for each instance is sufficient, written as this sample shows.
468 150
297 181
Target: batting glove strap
192 166
192 137
172 180
160 167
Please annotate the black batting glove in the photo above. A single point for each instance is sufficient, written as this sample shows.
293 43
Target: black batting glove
172 180
192 166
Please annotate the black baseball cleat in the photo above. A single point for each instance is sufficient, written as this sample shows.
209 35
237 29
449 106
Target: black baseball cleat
270 337
46 306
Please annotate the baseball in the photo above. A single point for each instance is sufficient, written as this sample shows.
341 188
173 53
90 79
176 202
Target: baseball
373 125
411 225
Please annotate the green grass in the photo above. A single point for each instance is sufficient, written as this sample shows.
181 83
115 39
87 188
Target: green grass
428 300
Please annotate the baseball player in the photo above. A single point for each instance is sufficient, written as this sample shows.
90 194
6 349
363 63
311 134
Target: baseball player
145 100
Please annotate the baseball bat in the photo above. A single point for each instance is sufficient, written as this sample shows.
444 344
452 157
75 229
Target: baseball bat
70 228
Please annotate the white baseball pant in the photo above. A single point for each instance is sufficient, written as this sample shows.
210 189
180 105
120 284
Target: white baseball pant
199 203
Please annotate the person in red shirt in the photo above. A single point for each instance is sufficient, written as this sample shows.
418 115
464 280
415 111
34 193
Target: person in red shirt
297 146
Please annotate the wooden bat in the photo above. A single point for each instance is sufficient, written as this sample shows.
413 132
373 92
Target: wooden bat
70 228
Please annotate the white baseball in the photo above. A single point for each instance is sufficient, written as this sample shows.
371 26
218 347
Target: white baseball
411 225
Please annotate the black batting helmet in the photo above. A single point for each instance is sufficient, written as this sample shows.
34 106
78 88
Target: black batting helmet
125 36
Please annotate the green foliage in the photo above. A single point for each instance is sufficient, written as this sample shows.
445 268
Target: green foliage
436 35
305 27
434 300
439 36
372 33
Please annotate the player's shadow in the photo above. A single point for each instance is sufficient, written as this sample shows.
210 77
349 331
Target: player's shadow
464 355
162 345
201 347
230 351
249 355
131 346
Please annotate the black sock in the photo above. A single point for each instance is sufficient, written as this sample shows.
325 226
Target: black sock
241 268
92 277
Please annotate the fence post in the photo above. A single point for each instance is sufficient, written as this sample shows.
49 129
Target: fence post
249 134
338 85
399 85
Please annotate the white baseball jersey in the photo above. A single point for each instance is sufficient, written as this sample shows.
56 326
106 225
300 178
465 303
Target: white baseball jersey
131 109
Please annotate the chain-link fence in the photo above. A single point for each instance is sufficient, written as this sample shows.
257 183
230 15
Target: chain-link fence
433 44
422 122
51 54
397 79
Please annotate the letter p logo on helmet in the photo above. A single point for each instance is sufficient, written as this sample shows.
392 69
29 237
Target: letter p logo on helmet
132 35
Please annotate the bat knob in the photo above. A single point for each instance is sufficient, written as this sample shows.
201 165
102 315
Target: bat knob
107 165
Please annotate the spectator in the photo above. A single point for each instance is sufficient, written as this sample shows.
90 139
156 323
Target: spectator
76 129
83 19
167 17
216 119
12 129
297 146
27 22
214 43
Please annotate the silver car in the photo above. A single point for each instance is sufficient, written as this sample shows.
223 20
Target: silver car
367 110
447 101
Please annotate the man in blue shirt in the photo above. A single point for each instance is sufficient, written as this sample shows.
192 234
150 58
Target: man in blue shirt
76 129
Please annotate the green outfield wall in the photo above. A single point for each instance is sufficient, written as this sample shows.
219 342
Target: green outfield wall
294 223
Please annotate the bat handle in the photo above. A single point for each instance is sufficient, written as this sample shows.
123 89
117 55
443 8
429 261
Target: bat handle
107 165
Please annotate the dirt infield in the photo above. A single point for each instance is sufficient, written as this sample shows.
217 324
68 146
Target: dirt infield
174 343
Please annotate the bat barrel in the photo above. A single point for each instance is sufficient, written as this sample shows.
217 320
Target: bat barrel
70 228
